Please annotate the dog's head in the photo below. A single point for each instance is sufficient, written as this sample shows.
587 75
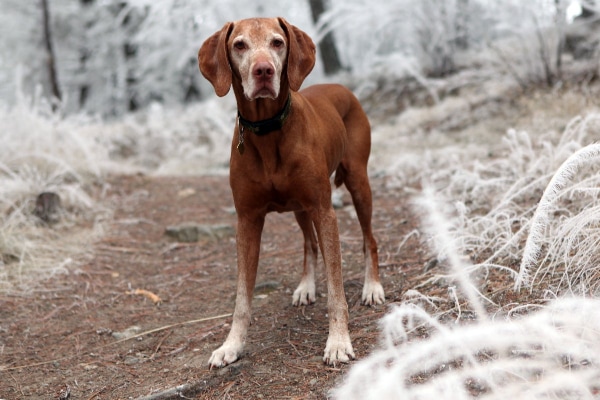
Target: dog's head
263 54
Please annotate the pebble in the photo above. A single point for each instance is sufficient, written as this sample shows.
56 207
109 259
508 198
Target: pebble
192 232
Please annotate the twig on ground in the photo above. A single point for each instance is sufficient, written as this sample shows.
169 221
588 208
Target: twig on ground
160 343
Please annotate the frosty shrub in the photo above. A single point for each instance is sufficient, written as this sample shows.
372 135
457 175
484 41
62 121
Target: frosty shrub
551 353
572 228
403 37
494 201
44 151
177 141
538 354
528 48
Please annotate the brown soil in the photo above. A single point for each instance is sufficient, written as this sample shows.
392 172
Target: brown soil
60 341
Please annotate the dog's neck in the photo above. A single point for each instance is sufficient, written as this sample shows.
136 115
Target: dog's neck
265 126
257 111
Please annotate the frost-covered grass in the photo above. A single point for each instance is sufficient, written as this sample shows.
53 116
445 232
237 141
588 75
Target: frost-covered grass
181 141
551 353
577 233
494 220
43 151
531 352
492 171
524 202
495 199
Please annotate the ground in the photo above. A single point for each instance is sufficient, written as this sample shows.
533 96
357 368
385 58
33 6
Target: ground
70 334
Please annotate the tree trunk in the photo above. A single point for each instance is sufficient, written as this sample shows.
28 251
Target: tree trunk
329 54
560 21
462 24
50 54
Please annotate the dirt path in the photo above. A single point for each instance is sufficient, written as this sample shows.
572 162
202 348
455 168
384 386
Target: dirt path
67 336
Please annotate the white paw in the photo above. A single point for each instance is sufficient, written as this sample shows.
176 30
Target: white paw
304 294
373 294
224 355
338 349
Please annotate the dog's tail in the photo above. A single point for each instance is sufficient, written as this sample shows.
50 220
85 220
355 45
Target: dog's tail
340 176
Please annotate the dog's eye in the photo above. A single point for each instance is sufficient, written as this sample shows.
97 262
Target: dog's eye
239 45
277 43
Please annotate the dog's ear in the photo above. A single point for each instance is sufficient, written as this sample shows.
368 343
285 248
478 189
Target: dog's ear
301 54
213 60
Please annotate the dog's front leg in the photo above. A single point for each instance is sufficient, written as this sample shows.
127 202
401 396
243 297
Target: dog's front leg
339 346
249 231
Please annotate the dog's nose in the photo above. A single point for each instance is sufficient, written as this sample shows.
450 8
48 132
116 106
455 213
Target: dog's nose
263 70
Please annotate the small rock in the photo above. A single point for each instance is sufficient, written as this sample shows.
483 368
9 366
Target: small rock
234 369
47 207
187 192
103 331
127 333
131 360
192 232
8 258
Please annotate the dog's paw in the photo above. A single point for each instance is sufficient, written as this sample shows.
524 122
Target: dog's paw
224 355
373 294
338 350
304 294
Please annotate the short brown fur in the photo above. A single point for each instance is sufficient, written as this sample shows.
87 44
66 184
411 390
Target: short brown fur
289 169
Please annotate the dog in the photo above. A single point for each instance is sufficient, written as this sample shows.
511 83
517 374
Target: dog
286 145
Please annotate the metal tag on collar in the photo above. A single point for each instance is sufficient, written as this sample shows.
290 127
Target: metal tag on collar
240 147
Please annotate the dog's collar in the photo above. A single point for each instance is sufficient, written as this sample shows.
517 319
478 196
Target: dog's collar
267 126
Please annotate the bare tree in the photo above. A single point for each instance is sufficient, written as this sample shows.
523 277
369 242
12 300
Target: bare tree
560 20
50 52
461 24
329 54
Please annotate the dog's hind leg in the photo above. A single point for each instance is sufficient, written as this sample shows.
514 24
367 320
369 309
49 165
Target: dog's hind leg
306 293
357 182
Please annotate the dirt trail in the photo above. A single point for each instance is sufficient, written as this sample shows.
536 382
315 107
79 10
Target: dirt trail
67 335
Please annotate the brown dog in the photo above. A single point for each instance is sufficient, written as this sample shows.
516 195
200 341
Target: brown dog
286 145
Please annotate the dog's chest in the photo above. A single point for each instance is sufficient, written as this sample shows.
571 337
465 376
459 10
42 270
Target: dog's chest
278 191
283 205
278 176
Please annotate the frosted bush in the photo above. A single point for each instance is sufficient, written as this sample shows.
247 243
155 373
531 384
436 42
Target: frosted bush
43 151
551 353
182 141
494 201
570 226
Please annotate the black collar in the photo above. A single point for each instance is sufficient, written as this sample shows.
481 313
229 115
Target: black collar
266 126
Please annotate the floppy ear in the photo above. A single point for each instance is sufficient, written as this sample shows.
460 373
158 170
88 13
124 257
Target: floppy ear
301 54
213 60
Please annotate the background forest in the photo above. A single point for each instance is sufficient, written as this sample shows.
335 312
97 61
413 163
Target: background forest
114 57
485 114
